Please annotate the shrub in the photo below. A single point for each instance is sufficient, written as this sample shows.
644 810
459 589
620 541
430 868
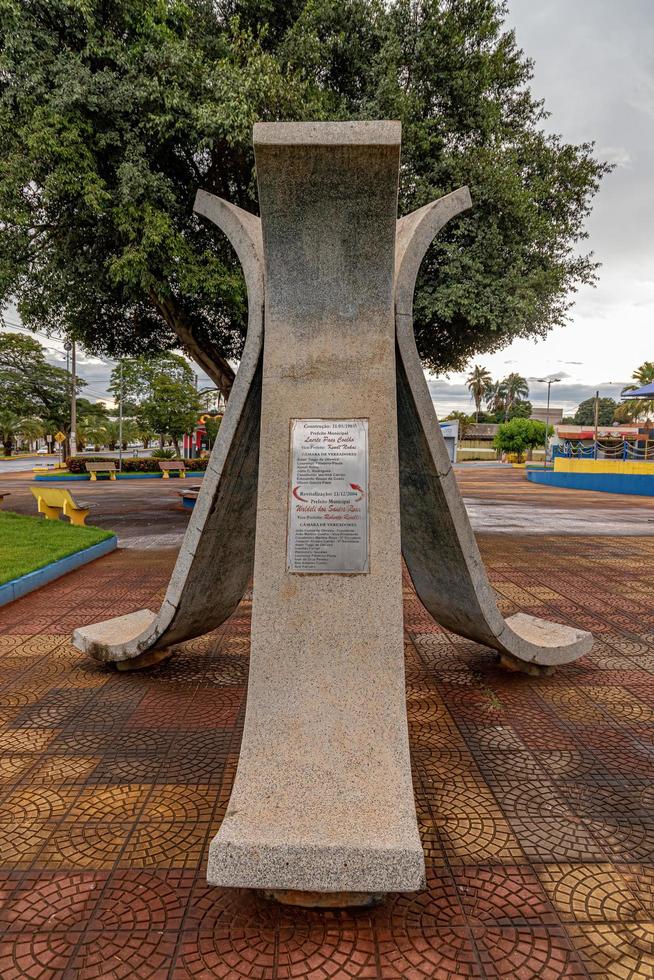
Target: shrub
130 464
162 454
518 435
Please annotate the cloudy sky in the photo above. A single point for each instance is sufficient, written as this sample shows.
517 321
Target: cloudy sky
594 66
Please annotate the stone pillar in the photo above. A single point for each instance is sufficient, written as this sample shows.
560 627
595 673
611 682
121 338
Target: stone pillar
323 799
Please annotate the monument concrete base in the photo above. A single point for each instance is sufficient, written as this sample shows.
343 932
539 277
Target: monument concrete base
507 662
148 659
324 900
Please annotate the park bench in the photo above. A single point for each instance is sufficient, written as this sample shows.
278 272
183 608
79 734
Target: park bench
52 503
101 466
172 465
189 496
4 494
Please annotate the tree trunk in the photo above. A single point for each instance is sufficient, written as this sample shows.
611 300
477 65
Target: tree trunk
208 358
176 445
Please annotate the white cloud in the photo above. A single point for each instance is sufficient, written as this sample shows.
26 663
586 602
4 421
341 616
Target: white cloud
617 155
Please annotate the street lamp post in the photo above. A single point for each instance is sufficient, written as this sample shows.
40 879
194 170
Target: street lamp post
549 382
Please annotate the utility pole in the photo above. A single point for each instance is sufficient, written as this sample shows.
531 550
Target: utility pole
69 347
120 422
73 401
596 420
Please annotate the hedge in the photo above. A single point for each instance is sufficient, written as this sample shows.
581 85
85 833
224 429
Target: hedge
131 464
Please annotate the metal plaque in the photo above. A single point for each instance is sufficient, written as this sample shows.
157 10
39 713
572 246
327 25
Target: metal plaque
328 496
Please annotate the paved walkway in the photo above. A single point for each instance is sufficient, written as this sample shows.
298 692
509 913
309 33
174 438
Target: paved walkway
534 797
148 513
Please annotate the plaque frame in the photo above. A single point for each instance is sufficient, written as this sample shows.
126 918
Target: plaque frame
364 481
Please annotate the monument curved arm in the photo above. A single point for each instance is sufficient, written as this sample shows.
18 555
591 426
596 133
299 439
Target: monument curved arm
215 561
437 540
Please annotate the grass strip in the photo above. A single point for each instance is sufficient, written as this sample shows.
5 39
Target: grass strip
29 543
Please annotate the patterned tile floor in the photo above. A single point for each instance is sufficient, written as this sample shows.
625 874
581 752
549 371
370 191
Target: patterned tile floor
535 797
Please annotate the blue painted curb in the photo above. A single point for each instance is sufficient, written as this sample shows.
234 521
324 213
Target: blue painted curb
60 477
19 587
631 483
69 477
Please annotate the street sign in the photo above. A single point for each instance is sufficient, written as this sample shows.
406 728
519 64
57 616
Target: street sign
60 437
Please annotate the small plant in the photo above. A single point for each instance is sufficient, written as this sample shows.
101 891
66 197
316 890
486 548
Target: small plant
162 454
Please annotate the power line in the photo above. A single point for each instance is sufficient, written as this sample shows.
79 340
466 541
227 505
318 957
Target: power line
39 333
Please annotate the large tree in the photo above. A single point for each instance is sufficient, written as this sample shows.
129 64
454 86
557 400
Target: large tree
585 414
30 386
160 393
113 114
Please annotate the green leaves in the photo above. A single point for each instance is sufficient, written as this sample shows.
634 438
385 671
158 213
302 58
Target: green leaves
518 435
585 414
112 116
32 387
159 392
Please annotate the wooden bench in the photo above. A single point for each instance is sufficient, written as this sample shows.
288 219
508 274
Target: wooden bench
172 465
103 466
4 494
53 503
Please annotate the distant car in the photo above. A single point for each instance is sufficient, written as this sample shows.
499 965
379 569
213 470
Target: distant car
43 451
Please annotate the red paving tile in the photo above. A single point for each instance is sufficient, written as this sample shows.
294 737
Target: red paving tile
534 796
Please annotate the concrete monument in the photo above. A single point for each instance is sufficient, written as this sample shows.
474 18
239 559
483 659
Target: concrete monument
329 464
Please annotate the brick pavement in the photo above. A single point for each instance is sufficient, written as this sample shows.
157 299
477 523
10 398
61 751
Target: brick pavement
535 797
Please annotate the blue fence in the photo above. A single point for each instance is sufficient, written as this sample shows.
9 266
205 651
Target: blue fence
621 449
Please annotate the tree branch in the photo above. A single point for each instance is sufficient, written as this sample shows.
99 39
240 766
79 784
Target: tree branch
207 357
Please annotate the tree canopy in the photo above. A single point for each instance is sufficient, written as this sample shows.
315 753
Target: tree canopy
519 435
112 115
160 393
585 414
32 387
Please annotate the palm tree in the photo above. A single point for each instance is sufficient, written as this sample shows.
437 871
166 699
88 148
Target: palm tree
494 397
13 426
112 431
477 383
514 388
91 432
642 376
145 434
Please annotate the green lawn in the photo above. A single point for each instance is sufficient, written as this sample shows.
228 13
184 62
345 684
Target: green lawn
28 543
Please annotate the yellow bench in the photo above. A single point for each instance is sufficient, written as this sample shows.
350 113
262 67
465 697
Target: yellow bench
52 503
172 465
